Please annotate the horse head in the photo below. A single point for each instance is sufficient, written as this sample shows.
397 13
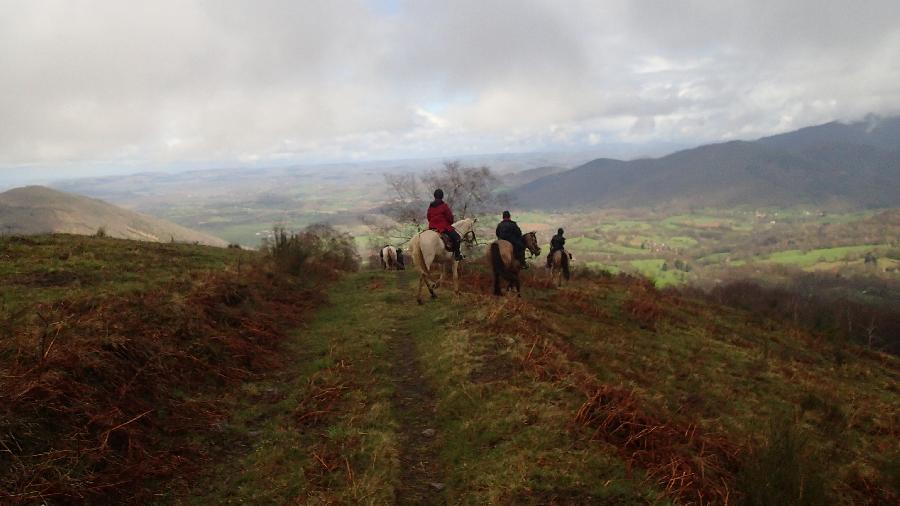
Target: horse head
466 230
531 243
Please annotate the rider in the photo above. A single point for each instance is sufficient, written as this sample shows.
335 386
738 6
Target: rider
508 230
440 218
557 243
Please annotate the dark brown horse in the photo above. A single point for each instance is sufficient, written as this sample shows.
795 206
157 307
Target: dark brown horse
504 263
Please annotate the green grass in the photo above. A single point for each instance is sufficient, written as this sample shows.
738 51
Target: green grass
505 432
652 268
509 378
62 267
343 348
812 257
500 442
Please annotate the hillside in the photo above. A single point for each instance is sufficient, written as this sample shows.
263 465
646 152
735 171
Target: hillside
41 210
606 392
189 374
520 178
116 356
852 165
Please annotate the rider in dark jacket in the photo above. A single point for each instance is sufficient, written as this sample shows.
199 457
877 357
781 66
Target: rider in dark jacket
558 242
440 218
508 230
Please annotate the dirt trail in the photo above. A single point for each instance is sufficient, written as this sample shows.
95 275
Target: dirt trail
421 479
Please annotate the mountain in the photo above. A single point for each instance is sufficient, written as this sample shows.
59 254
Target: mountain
37 209
526 176
854 165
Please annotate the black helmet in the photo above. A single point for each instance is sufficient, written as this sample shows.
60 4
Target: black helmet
438 194
560 231
506 214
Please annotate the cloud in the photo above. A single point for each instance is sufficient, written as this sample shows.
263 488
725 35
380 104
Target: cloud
154 83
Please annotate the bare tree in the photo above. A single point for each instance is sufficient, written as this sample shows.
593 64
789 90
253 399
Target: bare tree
468 190
407 200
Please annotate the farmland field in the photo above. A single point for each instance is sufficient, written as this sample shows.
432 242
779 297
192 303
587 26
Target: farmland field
707 245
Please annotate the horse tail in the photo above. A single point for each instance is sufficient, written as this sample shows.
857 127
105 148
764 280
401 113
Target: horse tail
420 258
497 266
497 261
564 262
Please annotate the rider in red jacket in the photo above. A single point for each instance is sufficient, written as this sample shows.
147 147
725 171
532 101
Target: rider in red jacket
440 218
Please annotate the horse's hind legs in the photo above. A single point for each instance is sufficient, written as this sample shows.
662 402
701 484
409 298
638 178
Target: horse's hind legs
419 292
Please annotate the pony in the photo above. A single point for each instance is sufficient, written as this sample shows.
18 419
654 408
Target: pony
389 259
427 250
560 266
505 265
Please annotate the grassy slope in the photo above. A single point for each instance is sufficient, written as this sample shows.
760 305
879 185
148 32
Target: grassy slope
521 390
605 391
51 268
113 354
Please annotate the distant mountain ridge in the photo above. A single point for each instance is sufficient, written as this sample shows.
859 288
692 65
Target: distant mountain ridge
856 165
38 209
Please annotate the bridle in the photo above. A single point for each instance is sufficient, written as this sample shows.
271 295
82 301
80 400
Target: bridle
469 237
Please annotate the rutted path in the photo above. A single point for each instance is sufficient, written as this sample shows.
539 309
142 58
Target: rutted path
352 418
421 479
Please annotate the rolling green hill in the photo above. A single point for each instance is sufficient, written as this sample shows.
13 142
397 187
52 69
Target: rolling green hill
41 210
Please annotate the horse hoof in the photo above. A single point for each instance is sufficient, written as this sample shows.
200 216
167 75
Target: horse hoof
433 296
419 301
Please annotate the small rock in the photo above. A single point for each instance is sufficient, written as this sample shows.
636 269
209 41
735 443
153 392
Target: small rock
437 486
254 433
429 432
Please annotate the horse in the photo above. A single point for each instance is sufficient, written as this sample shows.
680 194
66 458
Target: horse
559 265
504 263
389 259
427 249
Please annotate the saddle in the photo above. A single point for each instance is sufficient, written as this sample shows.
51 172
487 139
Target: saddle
448 242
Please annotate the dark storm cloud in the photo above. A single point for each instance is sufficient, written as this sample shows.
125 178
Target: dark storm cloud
237 81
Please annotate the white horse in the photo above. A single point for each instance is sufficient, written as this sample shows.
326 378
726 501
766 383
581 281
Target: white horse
427 250
389 259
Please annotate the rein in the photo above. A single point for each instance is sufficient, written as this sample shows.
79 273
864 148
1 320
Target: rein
473 240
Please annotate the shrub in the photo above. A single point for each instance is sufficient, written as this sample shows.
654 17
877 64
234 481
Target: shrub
316 246
783 470
101 232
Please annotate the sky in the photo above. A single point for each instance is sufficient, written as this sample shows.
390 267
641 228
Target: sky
117 85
